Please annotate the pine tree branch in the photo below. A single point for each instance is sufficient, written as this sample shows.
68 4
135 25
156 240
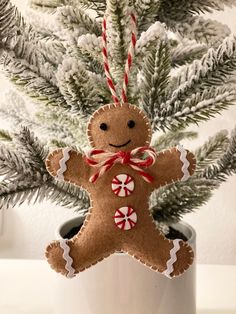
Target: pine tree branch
24 170
64 126
90 63
186 51
118 25
12 165
147 12
98 5
46 5
92 45
32 56
27 180
20 41
29 148
77 21
43 24
207 31
31 84
5 136
155 79
47 124
75 85
68 195
193 100
149 40
226 165
179 10
212 70
211 151
198 107
58 143
12 194
13 110
169 204
51 5
11 22
170 139
52 49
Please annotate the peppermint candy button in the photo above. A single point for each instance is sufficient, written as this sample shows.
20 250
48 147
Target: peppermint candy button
122 185
125 218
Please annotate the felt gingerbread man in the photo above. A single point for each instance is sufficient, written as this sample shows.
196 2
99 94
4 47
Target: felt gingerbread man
120 173
119 219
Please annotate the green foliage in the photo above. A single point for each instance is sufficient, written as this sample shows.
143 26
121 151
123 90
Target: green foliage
31 83
90 46
77 21
46 5
5 136
226 165
169 204
75 85
186 51
118 19
10 22
171 139
203 30
155 79
212 150
200 90
199 107
146 11
180 10
216 160
212 70
26 178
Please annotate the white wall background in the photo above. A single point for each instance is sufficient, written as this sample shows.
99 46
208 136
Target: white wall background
27 230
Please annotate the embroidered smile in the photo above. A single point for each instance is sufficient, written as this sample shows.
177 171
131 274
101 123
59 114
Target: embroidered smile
118 146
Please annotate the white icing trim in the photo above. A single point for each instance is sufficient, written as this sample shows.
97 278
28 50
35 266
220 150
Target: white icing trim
186 163
173 258
67 258
62 163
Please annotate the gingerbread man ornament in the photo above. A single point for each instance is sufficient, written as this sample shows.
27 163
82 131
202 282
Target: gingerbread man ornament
120 173
119 219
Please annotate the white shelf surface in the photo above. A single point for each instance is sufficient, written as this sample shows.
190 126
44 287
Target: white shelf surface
27 288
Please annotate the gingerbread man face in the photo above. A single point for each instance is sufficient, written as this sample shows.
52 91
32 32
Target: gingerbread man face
119 127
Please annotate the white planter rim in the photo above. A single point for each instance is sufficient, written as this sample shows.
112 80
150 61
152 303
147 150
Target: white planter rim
181 226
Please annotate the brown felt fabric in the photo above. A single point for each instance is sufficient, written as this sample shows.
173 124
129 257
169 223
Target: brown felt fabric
118 133
99 237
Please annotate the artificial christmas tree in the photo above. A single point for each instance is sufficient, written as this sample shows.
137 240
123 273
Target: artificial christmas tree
183 73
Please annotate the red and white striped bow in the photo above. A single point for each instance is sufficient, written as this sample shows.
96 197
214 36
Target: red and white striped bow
138 158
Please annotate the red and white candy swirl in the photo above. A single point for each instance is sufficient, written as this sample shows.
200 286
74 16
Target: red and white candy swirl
125 218
122 185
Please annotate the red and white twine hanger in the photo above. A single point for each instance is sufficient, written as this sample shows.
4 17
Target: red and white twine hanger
128 64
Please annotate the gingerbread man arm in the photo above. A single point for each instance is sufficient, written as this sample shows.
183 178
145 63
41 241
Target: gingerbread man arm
176 164
68 165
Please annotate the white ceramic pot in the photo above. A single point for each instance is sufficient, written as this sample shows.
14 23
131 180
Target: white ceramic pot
121 285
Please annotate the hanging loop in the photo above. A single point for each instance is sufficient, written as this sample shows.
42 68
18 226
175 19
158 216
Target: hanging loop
128 64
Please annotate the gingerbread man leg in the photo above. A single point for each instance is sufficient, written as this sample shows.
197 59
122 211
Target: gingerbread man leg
69 257
172 258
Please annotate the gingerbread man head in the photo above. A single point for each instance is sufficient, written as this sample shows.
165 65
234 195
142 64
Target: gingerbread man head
119 127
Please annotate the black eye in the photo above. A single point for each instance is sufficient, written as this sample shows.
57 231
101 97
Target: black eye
131 124
103 126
